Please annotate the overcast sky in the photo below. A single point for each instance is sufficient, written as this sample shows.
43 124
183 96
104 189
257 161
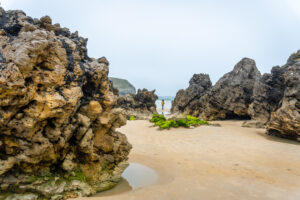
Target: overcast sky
160 44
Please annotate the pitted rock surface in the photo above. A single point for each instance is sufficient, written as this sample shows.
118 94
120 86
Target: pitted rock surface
57 122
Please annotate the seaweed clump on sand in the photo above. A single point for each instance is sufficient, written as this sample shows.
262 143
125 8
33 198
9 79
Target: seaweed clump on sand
187 122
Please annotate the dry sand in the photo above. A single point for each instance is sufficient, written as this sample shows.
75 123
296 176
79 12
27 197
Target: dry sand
227 162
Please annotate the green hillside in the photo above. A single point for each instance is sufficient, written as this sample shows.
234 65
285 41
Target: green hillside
123 86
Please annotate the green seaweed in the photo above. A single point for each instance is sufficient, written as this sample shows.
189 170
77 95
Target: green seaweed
168 124
183 123
163 123
195 121
157 118
132 117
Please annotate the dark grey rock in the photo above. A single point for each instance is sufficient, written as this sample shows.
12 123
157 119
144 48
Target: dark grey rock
231 96
140 105
198 86
285 120
267 94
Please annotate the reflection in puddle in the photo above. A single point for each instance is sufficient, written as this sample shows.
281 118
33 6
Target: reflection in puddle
165 112
139 175
135 176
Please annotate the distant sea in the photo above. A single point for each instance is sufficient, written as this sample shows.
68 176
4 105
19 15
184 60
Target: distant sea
168 102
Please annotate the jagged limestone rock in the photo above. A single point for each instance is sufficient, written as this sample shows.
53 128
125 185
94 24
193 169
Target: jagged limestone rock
267 94
271 101
198 86
231 96
275 100
57 121
285 120
142 105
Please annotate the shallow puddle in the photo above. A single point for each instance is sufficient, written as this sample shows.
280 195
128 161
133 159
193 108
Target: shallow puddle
135 176
164 113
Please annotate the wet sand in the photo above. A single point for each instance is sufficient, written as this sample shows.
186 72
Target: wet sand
227 162
166 110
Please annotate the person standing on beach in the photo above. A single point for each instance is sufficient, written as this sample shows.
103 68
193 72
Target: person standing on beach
162 105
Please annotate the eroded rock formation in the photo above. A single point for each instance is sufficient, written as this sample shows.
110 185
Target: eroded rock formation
58 135
142 105
271 101
275 100
198 86
285 120
231 96
267 94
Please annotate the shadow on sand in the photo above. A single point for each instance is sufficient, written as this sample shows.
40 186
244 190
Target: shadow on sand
277 139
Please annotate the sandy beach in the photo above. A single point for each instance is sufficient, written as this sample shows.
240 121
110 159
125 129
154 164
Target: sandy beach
166 110
227 162
70 81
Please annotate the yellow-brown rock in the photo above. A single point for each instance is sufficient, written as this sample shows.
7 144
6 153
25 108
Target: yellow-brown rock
54 102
